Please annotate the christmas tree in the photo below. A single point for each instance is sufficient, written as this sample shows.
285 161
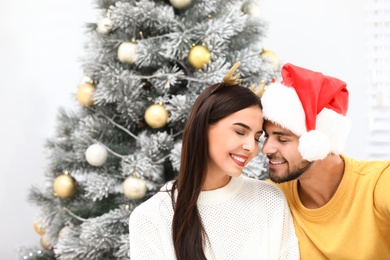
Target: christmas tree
145 63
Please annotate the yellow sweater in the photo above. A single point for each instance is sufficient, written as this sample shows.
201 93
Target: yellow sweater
355 223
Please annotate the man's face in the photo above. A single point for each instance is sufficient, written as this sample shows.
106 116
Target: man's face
281 148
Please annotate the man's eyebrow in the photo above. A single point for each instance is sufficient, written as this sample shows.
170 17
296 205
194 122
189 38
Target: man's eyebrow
281 133
245 126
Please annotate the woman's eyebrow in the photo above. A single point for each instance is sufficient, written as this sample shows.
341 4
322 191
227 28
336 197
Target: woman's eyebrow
246 126
243 125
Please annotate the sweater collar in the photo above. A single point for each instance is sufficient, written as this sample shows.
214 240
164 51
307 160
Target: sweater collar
222 194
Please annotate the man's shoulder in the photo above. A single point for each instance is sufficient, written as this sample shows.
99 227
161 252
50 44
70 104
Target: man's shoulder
282 186
364 167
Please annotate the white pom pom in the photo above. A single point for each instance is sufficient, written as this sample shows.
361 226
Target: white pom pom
314 145
336 126
96 155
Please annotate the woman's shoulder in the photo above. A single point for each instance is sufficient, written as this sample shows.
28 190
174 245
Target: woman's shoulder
266 199
159 202
263 188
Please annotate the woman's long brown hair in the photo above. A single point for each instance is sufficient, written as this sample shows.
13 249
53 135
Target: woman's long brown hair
212 105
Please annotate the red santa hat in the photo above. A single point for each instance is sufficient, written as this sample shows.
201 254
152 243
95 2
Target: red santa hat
312 106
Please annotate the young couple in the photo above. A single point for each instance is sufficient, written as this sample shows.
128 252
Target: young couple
340 206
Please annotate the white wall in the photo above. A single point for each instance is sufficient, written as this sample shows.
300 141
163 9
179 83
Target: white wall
41 42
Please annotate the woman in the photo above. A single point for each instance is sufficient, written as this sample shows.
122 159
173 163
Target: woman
211 211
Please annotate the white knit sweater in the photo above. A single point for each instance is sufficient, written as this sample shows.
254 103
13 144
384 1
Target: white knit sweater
246 219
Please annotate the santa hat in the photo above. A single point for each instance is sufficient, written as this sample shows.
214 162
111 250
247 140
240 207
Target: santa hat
312 106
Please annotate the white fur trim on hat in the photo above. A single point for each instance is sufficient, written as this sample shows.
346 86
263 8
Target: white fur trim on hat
336 127
314 145
281 105
330 136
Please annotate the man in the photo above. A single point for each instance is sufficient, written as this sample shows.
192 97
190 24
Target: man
340 206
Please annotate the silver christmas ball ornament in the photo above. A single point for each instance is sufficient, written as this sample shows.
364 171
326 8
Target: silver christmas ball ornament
250 8
128 52
134 188
96 155
104 25
180 4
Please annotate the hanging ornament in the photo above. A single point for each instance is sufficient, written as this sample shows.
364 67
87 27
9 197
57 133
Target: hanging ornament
38 227
199 56
250 8
86 79
140 125
65 186
147 85
96 155
134 188
180 4
271 56
128 52
104 25
63 232
84 94
156 116
44 242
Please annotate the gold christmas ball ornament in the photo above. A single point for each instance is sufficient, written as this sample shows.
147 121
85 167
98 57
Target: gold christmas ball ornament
84 94
38 227
96 155
180 4
156 116
270 56
134 188
104 25
65 186
44 242
250 8
128 52
199 56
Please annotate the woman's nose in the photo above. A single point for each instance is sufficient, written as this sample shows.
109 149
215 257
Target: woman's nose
251 146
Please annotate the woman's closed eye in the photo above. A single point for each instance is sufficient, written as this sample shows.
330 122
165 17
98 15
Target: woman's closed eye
257 137
240 132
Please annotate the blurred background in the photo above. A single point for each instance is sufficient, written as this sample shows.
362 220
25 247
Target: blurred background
42 41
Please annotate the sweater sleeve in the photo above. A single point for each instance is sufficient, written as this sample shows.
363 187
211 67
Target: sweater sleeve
290 249
145 240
